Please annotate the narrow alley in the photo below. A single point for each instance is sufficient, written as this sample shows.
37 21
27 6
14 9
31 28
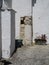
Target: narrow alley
31 55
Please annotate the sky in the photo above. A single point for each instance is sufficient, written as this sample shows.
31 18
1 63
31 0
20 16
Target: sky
23 8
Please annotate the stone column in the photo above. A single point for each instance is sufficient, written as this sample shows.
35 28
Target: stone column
8 32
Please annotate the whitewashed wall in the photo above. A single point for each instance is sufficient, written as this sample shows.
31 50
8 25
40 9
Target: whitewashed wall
8 3
41 18
8 33
23 8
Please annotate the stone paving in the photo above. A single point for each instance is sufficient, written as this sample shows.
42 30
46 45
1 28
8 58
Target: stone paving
31 55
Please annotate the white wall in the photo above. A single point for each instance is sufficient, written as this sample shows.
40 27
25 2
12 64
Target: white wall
6 34
23 8
41 18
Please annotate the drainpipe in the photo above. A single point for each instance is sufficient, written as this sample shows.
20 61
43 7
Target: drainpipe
32 23
32 5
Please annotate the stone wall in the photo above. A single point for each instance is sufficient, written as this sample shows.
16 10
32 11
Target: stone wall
25 30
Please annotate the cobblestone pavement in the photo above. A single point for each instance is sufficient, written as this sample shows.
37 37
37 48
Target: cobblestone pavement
31 55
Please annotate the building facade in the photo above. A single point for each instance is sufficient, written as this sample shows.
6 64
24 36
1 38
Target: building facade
41 19
8 32
7 29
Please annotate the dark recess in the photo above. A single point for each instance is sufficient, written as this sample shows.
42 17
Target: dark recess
5 62
18 43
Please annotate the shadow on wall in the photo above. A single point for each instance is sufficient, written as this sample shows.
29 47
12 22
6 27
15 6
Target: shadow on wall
33 2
